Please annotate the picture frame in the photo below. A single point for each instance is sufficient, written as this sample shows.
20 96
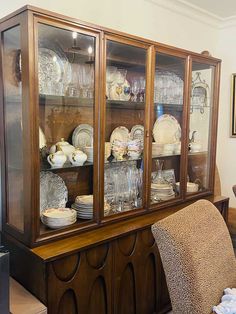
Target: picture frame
233 106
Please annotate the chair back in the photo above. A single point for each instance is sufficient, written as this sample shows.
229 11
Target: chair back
197 256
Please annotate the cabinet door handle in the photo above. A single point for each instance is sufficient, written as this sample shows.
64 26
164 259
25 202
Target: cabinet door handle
147 133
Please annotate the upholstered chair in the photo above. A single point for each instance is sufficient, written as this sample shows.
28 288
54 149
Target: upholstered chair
197 256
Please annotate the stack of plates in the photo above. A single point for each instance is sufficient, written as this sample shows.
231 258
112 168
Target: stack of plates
157 149
58 217
89 152
84 206
162 192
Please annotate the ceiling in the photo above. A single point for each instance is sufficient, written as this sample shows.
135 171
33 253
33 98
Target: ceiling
223 9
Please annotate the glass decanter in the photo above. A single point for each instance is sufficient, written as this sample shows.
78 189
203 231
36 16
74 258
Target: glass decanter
159 178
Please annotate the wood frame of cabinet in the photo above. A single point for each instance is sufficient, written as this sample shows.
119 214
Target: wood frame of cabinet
27 18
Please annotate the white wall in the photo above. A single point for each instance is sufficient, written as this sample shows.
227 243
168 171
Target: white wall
226 157
139 17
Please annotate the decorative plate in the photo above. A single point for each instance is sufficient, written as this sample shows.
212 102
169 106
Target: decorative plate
137 133
166 130
53 191
120 133
52 69
82 136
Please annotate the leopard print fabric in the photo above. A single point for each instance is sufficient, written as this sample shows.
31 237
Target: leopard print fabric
197 256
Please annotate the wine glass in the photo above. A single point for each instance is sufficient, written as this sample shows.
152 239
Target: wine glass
121 75
135 89
110 77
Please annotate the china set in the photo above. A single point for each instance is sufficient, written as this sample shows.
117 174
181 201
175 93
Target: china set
127 143
63 152
83 206
53 199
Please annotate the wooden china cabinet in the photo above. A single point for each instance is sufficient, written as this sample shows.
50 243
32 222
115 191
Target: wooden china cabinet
142 114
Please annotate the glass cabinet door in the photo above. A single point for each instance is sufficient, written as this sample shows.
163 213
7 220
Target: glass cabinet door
167 128
66 70
13 129
200 120
124 127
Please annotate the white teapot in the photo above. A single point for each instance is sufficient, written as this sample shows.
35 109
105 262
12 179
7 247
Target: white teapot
57 159
63 146
77 158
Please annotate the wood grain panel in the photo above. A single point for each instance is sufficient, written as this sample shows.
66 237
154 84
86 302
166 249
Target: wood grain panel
150 285
96 257
127 296
147 238
68 303
98 297
66 267
127 244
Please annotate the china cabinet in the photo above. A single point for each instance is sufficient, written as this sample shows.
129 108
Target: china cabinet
103 134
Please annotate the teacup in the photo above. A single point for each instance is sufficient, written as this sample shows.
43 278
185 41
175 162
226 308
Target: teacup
195 147
78 158
57 160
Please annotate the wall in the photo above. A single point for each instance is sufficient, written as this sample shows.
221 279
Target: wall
226 157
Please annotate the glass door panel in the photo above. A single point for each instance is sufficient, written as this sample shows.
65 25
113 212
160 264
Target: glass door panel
167 128
200 127
13 125
66 65
124 127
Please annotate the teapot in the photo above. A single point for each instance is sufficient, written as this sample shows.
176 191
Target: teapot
57 159
77 158
63 146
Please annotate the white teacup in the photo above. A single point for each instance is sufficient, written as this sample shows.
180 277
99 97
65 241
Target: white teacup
195 147
78 158
57 160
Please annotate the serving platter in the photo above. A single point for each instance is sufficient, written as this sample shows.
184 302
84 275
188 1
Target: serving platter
121 133
53 191
166 130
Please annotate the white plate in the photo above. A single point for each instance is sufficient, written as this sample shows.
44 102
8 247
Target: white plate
137 133
53 191
166 130
82 136
52 68
120 133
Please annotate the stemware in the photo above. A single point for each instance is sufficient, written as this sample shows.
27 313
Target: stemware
135 89
121 75
110 78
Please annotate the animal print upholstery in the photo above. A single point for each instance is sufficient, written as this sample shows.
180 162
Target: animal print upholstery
197 257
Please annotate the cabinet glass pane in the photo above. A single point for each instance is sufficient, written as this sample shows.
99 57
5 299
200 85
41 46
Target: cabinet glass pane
13 127
167 128
66 63
124 127
200 127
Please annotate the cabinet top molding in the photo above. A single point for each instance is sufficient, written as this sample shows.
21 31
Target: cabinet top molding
46 13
